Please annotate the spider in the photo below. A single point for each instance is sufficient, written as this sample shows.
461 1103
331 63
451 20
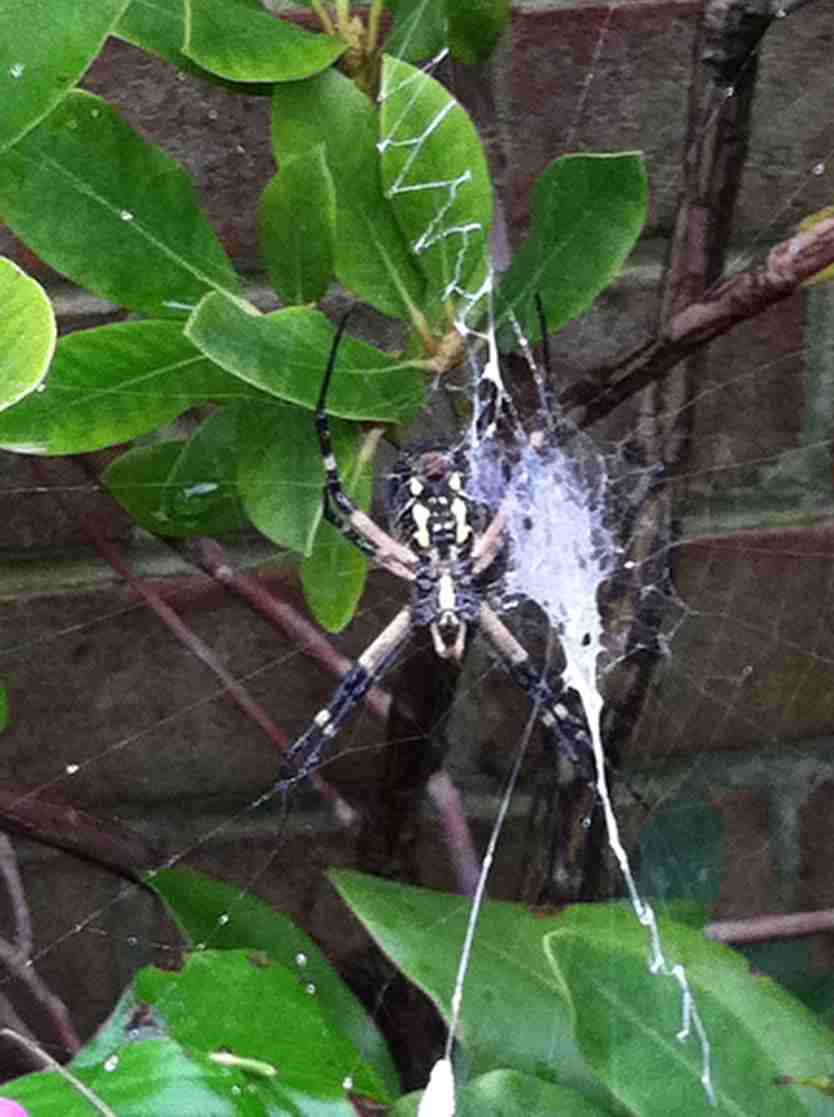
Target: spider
447 547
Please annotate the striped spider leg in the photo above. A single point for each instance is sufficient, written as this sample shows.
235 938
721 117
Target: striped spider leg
447 546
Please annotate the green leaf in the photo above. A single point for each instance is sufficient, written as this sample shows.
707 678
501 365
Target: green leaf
230 39
333 576
436 179
297 227
127 1023
4 708
215 914
137 480
419 30
515 1012
242 1002
372 257
111 211
285 354
588 211
627 1019
153 1077
150 483
27 333
158 26
506 1093
280 473
43 55
200 496
113 383
475 26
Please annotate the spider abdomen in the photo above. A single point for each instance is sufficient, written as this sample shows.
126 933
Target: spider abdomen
445 601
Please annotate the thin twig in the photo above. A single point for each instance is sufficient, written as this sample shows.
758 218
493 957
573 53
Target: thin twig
110 844
19 967
738 298
210 557
201 651
35 1049
16 956
762 928
10 875
449 806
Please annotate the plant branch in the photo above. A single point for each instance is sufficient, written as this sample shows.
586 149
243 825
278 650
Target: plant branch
47 1060
762 928
738 298
18 966
206 655
201 651
16 956
110 844
210 557
10 875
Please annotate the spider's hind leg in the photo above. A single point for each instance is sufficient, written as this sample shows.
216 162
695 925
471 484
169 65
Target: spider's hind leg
565 729
307 750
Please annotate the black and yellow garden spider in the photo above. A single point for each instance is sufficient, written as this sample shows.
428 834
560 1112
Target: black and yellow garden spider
447 545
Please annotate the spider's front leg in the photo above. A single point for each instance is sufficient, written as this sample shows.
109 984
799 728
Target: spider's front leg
307 750
338 508
569 732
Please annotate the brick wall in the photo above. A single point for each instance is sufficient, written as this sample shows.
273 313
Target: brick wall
97 683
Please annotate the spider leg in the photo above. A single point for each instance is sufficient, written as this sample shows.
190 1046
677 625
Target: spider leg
566 730
306 751
339 509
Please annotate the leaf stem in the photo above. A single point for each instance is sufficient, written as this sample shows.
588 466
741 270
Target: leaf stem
374 17
324 18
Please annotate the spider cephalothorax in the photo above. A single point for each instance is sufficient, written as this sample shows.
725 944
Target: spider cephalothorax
431 511
451 548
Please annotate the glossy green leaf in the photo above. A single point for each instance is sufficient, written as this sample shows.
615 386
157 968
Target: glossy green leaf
27 333
154 1077
436 179
230 39
158 26
506 1093
333 576
43 55
372 257
515 1012
111 211
280 473
627 1020
419 29
141 481
242 1002
128 1023
213 914
137 480
297 227
200 496
113 383
285 354
588 211
475 26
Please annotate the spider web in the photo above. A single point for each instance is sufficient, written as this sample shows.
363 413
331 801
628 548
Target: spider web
558 504
747 677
